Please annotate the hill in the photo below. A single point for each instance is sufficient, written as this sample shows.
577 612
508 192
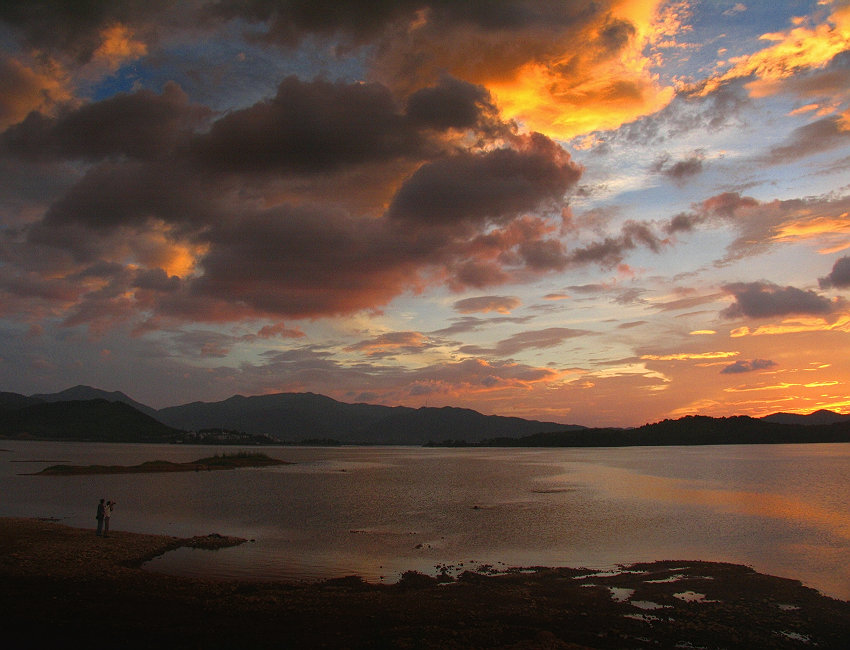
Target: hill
689 430
15 401
82 393
292 417
816 418
298 417
97 420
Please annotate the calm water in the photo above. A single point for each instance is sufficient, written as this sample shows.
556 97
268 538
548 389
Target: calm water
377 511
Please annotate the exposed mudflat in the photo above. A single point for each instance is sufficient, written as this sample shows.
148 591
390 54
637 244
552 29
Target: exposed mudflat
66 585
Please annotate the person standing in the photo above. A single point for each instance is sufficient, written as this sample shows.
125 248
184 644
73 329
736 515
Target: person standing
99 516
107 513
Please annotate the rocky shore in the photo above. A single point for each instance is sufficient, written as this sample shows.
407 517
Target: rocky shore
62 585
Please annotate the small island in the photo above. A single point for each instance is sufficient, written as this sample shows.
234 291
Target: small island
223 461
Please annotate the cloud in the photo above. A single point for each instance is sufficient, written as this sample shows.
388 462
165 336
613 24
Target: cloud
392 343
760 225
748 365
76 29
243 214
611 251
26 89
688 302
141 125
495 185
689 356
680 171
451 104
767 300
530 340
501 304
310 127
804 48
821 135
796 325
839 277
524 50
278 330
737 9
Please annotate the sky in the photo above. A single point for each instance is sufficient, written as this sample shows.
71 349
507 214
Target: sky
599 212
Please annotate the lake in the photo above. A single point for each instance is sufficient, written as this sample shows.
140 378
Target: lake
378 511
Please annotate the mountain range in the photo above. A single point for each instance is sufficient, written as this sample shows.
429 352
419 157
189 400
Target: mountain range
287 417
86 413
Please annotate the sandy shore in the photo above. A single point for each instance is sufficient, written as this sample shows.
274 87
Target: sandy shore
67 586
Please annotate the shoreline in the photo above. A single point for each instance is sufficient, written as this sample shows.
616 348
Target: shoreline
59 583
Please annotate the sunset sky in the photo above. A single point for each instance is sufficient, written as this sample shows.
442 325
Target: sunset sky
601 212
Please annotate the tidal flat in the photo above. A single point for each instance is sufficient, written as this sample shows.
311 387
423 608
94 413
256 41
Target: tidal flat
65 585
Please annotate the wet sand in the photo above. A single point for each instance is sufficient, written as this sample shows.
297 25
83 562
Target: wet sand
67 586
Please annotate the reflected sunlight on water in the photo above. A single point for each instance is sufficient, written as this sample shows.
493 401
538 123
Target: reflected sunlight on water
378 511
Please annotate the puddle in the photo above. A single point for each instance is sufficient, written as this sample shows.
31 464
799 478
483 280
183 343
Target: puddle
693 597
621 594
673 578
646 618
648 604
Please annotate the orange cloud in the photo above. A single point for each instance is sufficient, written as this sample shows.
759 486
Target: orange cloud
805 46
157 248
117 46
577 90
689 356
392 343
809 228
795 326
27 89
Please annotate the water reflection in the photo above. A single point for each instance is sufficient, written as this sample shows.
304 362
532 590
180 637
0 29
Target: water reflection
379 511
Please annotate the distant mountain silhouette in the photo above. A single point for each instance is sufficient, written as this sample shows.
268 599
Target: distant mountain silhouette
86 413
16 401
690 430
298 416
82 393
95 420
818 417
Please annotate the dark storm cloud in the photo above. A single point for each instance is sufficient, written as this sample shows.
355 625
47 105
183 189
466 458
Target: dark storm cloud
450 104
161 184
130 193
288 21
140 125
156 280
316 126
766 300
24 90
74 27
311 126
494 185
839 277
750 365
305 261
